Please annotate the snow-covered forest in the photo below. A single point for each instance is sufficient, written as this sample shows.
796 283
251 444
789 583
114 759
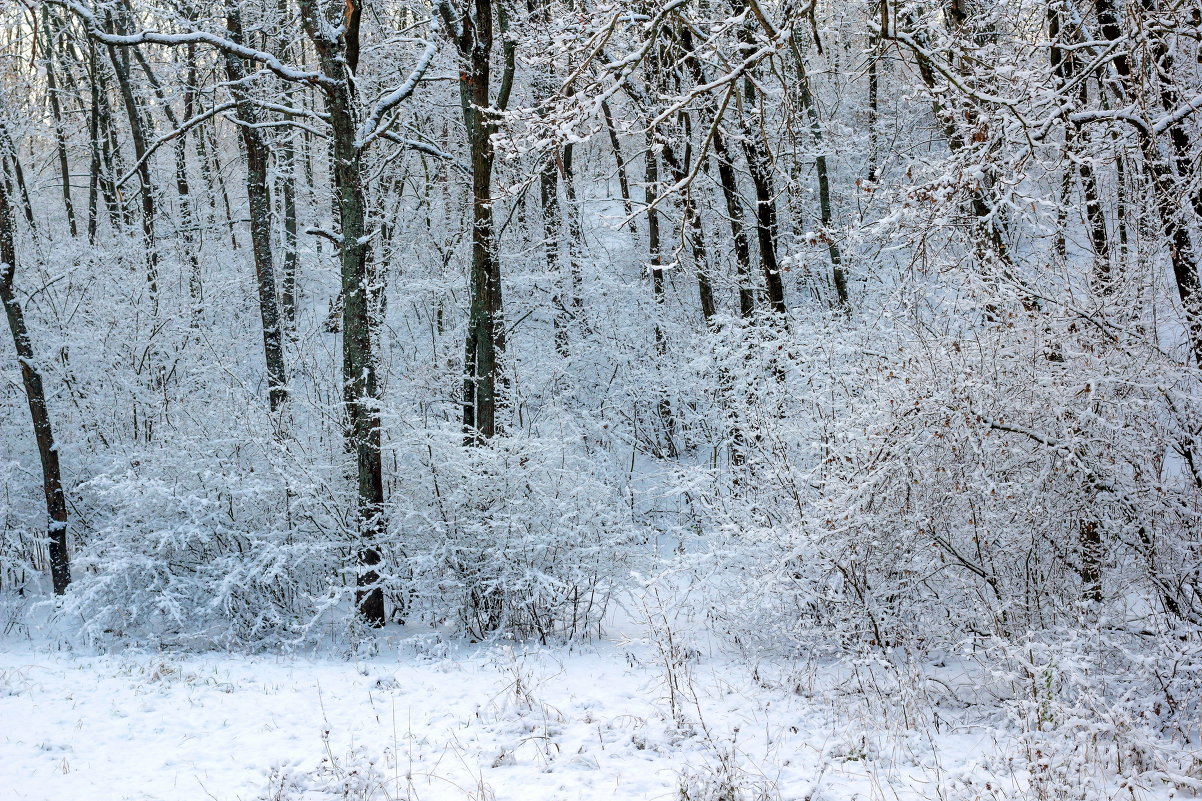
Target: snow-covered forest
798 400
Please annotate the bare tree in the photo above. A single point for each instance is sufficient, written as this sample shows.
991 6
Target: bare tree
35 392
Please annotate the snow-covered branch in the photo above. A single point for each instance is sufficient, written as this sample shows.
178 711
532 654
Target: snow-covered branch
97 32
374 123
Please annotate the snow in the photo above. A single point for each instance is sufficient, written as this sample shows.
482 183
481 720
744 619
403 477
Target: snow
972 489
549 724
427 719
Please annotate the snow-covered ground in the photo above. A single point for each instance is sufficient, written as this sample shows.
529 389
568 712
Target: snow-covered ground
423 719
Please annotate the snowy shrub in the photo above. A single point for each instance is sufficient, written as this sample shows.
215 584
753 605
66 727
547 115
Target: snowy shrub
1090 705
205 559
526 536
20 548
1077 713
934 487
353 776
725 778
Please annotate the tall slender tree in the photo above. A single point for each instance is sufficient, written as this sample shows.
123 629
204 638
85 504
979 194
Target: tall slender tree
35 390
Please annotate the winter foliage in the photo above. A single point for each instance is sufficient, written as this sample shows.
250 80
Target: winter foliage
857 342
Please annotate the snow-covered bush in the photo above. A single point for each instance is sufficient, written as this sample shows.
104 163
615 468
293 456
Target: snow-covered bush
528 536
934 486
208 558
1090 705
20 547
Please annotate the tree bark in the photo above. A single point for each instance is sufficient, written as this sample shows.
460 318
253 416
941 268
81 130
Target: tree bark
56 113
188 205
472 32
183 189
361 389
35 395
810 107
287 187
133 112
260 223
655 266
765 222
1167 172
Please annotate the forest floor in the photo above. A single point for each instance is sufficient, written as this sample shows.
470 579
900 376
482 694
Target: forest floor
425 719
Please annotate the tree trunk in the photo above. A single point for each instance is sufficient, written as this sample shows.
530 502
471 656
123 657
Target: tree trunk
183 189
35 394
810 107
18 174
56 113
287 185
729 184
551 211
1064 65
548 192
575 234
260 224
188 205
95 185
655 265
874 84
360 385
696 236
1166 172
485 341
765 222
738 230
137 131
619 159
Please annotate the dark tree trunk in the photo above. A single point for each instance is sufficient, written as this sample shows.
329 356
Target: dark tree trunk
551 210
56 113
472 32
874 83
94 172
287 184
187 202
35 394
765 222
121 217
575 235
7 145
1064 64
619 159
696 236
260 224
360 384
1167 173
137 129
183 189
548 192
738 231
287 187
655 265
729 184
485 335
822 176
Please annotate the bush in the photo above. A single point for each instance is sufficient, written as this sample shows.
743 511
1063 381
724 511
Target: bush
206 559
523 536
